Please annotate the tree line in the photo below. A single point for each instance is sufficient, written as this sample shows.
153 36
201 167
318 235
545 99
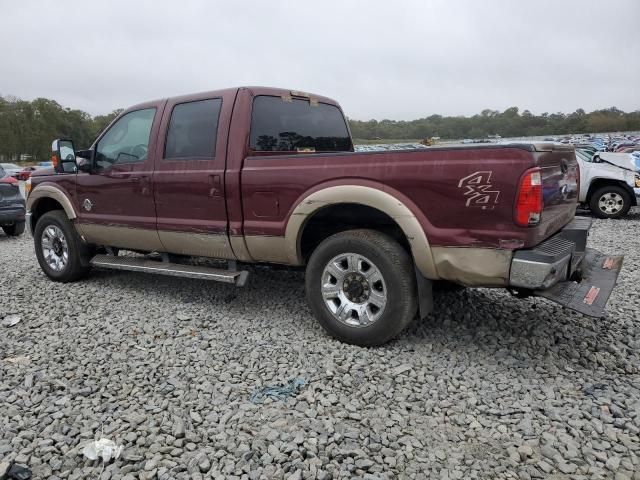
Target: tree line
28 127
510 123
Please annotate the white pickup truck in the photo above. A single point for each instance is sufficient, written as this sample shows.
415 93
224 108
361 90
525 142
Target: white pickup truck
609 183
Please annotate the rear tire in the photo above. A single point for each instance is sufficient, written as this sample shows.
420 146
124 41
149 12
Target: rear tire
14 230
610 201
361 287
62 255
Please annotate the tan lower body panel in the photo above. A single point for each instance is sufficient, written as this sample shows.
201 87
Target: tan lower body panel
268 249
180 243
239 247
481 267
196 244
121 237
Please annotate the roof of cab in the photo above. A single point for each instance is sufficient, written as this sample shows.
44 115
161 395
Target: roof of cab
255 91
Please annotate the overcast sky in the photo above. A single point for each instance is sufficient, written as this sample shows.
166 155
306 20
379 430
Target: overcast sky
379 59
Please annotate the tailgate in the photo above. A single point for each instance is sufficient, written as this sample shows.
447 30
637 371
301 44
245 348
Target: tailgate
560 176
598 275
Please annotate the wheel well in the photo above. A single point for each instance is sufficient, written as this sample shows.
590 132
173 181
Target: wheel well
603 182
347 216
43 206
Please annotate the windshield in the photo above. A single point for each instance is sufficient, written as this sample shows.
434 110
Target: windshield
583 155
2 172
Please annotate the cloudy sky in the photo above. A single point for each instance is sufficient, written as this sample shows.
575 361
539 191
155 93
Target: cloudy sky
379 58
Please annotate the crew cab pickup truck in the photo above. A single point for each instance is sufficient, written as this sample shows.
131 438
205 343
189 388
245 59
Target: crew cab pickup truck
263 175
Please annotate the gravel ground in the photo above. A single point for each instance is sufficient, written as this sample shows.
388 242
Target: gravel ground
489 387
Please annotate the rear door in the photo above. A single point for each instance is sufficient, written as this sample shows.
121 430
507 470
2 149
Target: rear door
115 202
189 176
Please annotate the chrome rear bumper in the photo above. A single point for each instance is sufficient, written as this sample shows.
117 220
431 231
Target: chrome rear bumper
554 260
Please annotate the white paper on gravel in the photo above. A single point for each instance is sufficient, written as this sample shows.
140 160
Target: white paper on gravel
104 448
11 320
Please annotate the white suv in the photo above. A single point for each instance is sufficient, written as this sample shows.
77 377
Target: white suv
609 183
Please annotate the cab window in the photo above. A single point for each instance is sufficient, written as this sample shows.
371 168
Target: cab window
193 129
297 125
127 141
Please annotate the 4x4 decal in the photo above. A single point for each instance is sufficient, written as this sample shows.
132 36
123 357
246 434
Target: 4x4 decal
479 191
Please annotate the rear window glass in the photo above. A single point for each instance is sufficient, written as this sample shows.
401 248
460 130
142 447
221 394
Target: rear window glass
297 126
193 129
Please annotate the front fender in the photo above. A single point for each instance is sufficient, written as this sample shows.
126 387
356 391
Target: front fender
41 192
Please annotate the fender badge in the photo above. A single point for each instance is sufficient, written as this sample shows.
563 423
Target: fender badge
479 191
87 204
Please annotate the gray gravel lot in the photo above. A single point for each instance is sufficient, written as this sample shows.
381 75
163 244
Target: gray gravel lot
488 387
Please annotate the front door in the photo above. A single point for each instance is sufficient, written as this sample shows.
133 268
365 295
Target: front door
115 201
189 176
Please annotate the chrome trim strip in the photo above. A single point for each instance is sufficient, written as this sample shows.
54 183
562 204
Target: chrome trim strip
27 218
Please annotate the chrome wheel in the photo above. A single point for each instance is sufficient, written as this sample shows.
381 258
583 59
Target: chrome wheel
55 249
354 290
611 203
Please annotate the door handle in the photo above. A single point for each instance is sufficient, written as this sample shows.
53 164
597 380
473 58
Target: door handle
214 185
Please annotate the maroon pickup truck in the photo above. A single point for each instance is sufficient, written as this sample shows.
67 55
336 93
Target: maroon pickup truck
263 175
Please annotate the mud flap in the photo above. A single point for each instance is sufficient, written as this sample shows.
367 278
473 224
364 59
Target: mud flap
589 296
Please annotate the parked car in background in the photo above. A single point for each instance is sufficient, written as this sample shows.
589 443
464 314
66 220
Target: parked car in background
25 173
609 183
45 164
11 169
12 205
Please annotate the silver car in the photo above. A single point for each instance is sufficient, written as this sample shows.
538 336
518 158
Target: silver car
11 169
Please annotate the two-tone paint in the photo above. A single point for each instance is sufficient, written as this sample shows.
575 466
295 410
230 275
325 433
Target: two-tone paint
254 206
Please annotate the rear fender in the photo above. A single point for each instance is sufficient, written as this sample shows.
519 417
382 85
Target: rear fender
363 195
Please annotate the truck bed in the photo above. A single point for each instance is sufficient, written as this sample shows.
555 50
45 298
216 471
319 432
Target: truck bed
463 195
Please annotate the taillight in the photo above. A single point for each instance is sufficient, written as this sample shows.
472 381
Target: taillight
9 179
529 200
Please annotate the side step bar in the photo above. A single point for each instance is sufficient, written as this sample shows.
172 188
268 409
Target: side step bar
136 264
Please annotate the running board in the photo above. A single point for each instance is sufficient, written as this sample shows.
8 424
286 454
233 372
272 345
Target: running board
136 264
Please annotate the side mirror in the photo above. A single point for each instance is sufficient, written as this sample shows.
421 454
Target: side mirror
63 156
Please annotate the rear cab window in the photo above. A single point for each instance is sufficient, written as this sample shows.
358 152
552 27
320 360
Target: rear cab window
298 125
193 129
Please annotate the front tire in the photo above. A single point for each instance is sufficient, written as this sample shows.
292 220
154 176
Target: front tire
62 255
361 287
610 201
14 230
